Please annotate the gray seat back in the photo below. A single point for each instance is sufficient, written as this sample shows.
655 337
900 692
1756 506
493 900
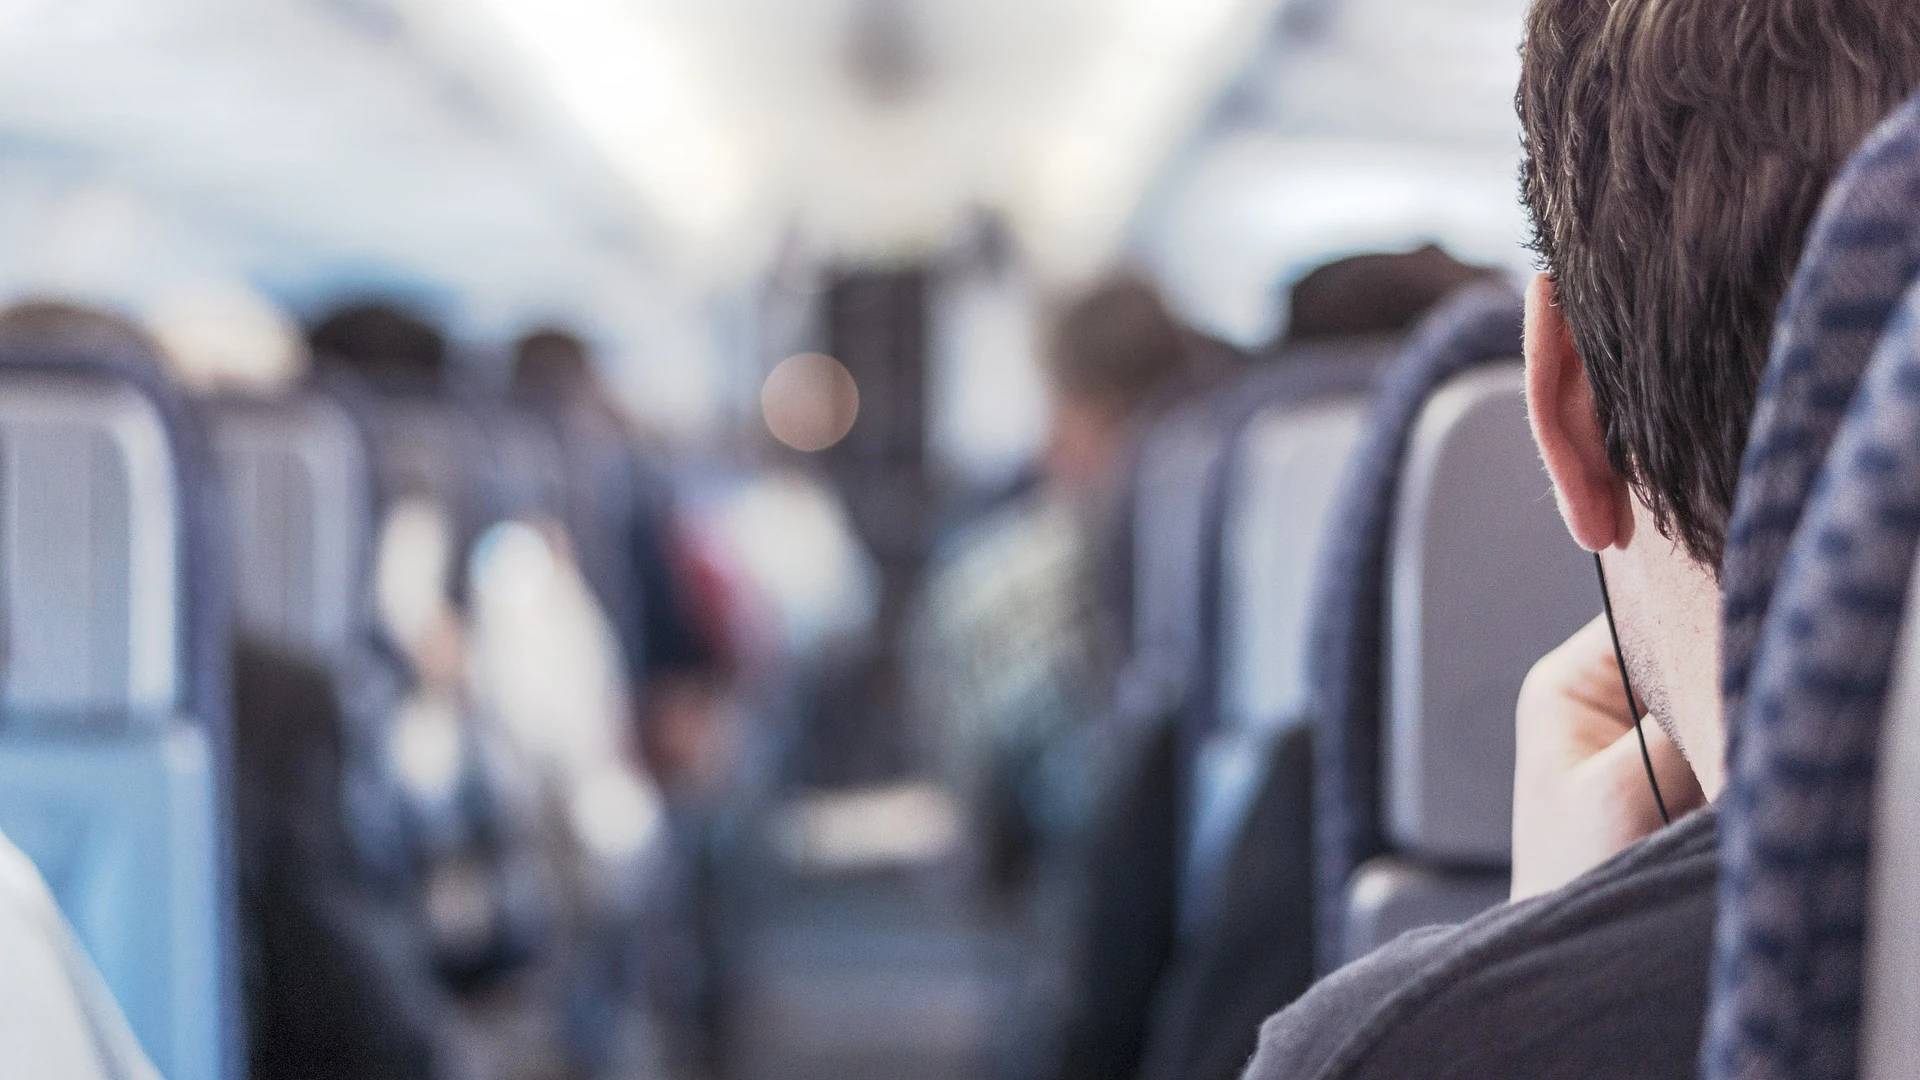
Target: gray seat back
1181 454
1890 1038
91 551
1483 581
1282 496
103 783
299 496
1279 504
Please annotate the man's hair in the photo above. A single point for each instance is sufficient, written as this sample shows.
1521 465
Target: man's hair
1676 153
1117 343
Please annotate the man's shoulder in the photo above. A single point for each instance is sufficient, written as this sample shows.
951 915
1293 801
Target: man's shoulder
1552 986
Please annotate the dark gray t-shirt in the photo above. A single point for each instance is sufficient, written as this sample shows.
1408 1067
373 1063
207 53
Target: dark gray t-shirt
1604 978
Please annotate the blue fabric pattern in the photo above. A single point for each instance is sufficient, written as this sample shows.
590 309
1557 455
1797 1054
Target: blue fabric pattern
1797 814
1862 251
1480 325
1792 896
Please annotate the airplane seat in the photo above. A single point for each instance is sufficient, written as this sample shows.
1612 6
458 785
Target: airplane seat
1814 929
300 499
1170 830
1287 431
1815 579
113 756
1482 580
1348 631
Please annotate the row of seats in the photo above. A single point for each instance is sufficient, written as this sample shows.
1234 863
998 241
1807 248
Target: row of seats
127 511
1442 573
1344 562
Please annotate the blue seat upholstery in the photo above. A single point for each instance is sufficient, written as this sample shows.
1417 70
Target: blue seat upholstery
1793 816
1799 828
112 745
1347 637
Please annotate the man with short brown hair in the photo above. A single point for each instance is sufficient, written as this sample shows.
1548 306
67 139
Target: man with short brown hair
1677 151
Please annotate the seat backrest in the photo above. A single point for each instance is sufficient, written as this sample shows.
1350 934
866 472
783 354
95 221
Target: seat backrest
108 780
91 571
1796 826
1284 475
1890 1035
1177 466
1484 580
1347 631
1861 256
299 495
1291 460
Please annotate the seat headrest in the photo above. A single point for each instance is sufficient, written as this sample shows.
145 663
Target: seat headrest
1484 581
1291 459
1177 462
1862 252
91 538
1795 819
300 500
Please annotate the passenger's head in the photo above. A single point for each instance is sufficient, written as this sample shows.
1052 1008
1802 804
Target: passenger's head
60 329
1109 353
383 344
227 338
1382 293
552 362
1676 153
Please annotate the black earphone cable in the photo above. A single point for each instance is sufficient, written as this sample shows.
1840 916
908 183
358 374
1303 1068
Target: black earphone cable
1633 703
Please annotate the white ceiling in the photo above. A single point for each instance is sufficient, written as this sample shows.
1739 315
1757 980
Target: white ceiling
627 162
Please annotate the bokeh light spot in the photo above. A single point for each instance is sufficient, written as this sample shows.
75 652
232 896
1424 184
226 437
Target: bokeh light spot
810 401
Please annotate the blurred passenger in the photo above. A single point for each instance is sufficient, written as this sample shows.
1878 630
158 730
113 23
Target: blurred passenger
638 565
1677 151
383 344
1382 293
487 858
49 328
1015 646
679 722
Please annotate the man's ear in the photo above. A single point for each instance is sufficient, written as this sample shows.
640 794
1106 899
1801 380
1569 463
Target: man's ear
1594 500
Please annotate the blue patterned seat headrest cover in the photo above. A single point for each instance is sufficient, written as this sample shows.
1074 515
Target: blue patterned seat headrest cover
1861 254
1863 250
1479 325
1797 813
